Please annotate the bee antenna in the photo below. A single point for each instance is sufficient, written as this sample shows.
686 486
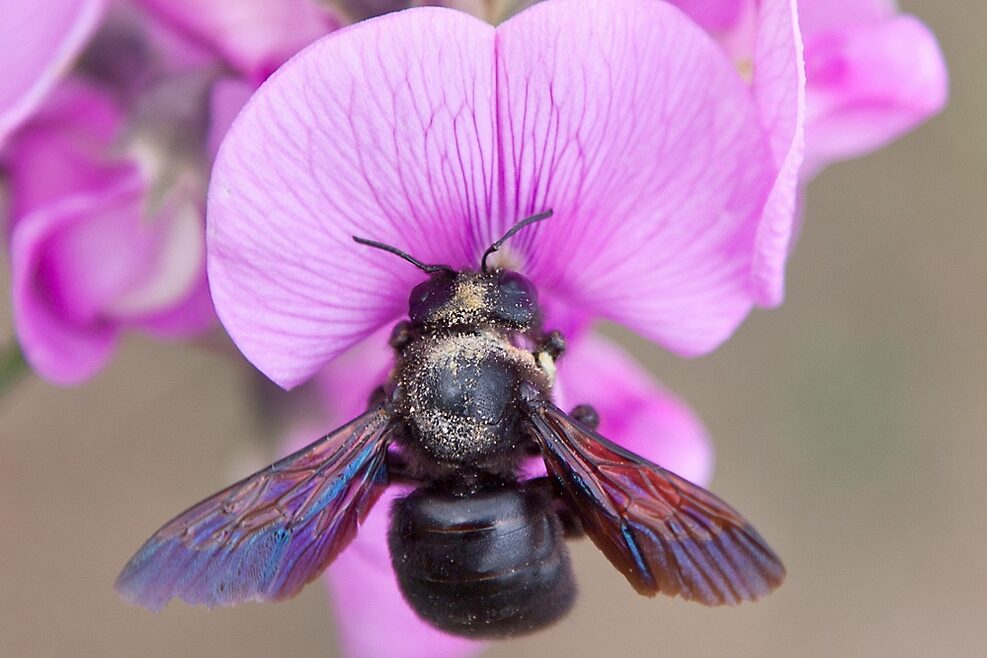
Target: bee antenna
514 229
429 269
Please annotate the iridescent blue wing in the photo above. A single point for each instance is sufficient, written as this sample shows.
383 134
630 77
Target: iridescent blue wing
665 534
267 536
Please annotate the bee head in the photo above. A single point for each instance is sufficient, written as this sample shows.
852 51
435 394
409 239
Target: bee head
452 298
500 298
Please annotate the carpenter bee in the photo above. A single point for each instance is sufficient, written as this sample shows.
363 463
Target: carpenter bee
477 550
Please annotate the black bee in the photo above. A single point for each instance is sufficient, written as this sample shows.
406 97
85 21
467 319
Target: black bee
477 551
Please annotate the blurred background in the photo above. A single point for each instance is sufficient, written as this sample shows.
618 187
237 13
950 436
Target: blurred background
850 425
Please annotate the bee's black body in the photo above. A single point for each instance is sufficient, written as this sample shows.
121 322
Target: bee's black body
478 550
461 368
476 553
492 563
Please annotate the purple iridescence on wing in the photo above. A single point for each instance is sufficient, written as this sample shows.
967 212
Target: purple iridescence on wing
267 536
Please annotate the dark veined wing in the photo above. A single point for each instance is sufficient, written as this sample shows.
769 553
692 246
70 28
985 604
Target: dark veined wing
662 532
267 536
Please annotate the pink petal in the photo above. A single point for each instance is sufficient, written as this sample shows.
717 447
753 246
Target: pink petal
40 41
762 38
56 290
372 618
382 130
779 89
388 130
86 259
346 384
635 411
713 15
172 248
192 316
629 122
169 296
868 85
226 98
817 16
255 36
60 152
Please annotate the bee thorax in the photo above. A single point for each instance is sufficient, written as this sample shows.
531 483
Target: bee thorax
462 402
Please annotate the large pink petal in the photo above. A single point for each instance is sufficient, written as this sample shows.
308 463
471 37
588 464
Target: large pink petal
635 411
372 618
714 16
778 84
630 123
384 130
868 85
657 173
255 36
40 39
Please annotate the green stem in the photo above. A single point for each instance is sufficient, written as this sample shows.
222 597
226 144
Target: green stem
13 368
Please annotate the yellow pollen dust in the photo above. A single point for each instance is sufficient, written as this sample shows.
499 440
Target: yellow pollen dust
745 67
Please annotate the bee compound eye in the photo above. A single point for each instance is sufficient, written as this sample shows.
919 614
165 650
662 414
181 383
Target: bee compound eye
427 297
517 303
514 285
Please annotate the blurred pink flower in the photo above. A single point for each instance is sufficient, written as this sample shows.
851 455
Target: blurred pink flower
90 254
40 41
107 180
870 76
872 73
413 129
253 36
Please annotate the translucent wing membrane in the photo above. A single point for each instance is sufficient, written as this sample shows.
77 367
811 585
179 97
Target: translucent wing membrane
665 534
267 536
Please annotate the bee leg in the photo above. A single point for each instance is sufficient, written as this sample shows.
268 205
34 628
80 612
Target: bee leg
587 415
401 335
552 344
572 527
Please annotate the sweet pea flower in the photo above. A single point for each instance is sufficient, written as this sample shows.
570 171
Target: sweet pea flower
872 73
90 255
106 202
40 43
253 36
107 181
435 132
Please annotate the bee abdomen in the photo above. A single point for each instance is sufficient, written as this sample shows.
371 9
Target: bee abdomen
489 565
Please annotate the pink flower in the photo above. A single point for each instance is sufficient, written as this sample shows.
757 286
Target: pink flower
40 43
870 76
872 73
435 132
253 36
108 179
90 255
